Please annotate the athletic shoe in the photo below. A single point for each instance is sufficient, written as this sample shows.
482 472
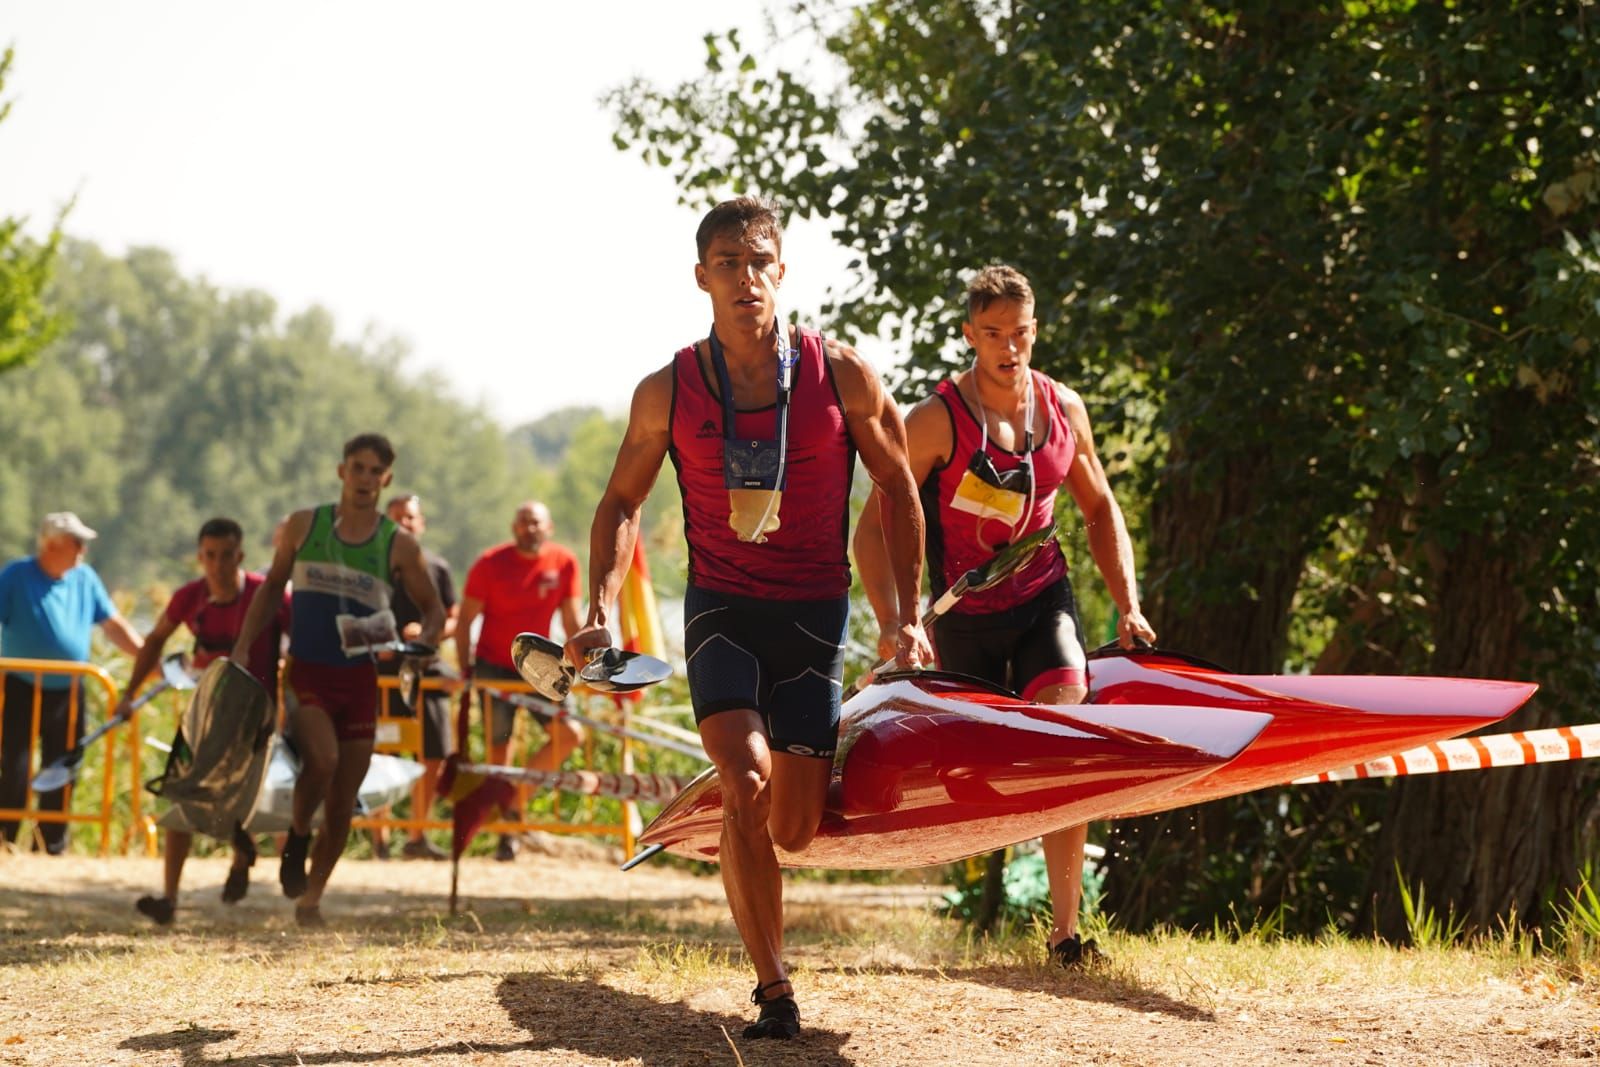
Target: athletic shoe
157 909
292 867
779 1018
1075 954
244 857
310 917
237 885
506 851
420 848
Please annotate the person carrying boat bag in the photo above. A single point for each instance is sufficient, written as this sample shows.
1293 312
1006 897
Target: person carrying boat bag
989 450
762 421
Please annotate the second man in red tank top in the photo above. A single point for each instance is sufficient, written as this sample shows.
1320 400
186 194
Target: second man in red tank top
989 450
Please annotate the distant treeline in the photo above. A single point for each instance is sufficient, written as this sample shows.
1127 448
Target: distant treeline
168 400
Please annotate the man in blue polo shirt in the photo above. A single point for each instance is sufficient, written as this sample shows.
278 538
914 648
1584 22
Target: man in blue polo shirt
49 604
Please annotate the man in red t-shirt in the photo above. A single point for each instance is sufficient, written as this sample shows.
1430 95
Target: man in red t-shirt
212 607
516 587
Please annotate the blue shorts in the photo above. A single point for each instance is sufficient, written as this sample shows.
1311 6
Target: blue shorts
782 659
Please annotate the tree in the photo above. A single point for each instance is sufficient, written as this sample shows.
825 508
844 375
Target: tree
1328 273
26 322
170 401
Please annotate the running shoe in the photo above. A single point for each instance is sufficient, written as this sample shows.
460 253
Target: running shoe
1073 953
420 848
158 910
780 1016
292 867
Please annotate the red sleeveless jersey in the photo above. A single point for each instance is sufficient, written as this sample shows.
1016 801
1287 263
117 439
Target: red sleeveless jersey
804 559
958 539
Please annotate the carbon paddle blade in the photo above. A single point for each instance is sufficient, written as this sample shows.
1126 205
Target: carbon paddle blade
176 672
1008 560
539 660
615 670
62 772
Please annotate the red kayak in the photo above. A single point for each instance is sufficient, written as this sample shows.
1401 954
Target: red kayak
1320 722
935 767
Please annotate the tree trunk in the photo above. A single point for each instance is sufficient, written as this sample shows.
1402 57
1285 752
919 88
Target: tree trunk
1226 555
1495 843
992 898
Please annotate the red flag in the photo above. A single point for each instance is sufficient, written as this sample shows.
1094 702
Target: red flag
473 797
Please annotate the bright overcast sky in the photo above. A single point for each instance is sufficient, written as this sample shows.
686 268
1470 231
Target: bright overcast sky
443 173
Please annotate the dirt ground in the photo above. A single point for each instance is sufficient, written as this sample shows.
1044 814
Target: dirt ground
559 959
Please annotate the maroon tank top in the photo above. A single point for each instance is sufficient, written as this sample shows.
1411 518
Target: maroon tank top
963 534
804 559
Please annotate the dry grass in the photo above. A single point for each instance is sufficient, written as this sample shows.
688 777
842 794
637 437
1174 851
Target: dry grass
561 960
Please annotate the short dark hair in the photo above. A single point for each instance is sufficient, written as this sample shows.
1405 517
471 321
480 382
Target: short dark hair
743 218
997 282
221 527
374 442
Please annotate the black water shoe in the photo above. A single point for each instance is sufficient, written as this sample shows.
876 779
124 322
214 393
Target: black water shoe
780 1016
1075 954
292 867
158 910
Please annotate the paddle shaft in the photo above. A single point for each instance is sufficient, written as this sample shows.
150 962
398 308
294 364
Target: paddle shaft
938 608
70 761
618 731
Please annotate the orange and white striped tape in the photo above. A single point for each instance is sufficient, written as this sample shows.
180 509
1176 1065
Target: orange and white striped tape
1518 749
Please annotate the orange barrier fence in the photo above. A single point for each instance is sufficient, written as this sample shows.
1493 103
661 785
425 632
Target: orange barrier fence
396 734
402 734
38 668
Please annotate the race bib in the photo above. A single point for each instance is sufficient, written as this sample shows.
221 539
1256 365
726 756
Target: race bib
361 635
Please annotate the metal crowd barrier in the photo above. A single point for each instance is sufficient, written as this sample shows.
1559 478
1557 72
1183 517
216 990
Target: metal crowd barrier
402 734
395 734
38 668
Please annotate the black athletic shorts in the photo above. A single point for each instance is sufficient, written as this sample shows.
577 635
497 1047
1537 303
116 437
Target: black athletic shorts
781 658
1026 648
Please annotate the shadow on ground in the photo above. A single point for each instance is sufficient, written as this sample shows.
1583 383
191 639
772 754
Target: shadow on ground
1101 986
590 1018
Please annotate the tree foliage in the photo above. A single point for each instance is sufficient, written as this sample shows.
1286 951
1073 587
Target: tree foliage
169 401
1329 272
27 323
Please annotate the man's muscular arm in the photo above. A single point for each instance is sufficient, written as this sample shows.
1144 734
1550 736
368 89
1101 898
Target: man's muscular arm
879 436
268 600
616 519
413 571
145 662
927 443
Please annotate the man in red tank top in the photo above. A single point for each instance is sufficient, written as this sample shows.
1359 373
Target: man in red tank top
989 450
762 422
213 608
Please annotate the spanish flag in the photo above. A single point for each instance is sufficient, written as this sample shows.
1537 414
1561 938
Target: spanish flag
473 797
637 615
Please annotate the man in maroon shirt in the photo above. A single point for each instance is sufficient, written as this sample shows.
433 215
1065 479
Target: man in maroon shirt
212 607
762 421
517 587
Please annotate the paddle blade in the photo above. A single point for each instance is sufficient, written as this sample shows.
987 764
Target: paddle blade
539 660
1008 560
63 772
617 671
177 672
